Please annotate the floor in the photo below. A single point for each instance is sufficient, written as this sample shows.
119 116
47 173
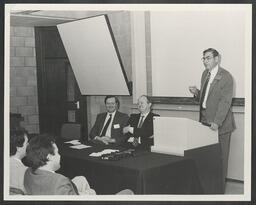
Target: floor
233 187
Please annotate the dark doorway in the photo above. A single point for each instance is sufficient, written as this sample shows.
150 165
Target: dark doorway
59 97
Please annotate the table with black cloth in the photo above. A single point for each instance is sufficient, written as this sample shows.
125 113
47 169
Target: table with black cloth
144 173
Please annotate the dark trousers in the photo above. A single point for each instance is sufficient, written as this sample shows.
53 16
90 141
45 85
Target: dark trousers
224 140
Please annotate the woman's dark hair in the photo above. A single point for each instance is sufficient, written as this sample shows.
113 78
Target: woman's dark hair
116 99
38 149
17 139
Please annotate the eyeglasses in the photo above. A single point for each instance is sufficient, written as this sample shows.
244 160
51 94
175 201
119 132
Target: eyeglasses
206 58
110 103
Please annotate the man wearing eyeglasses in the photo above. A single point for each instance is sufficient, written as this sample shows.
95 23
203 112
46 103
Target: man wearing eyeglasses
215 98
109 125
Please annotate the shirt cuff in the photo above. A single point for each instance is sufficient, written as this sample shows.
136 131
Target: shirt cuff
131 130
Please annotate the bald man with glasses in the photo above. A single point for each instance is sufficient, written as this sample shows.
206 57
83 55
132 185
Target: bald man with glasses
140 125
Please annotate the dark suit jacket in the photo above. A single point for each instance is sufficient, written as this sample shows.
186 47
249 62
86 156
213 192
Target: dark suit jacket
42 182
146 131
218 104
116 133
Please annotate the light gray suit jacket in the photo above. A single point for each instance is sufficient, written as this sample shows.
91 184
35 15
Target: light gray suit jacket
42 182
218 104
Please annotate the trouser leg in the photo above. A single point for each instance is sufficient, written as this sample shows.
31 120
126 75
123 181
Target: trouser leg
83 186
224 140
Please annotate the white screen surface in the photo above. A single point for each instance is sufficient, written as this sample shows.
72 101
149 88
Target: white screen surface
178 39
93 57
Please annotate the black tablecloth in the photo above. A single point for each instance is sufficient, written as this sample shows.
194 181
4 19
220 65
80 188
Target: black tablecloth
145 173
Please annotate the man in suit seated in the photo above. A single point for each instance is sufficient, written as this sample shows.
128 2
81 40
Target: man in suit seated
109 125
41 179
140 126
18 145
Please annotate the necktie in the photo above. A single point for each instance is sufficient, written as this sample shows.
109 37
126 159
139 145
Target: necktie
141 121
103 133
204 88
136 139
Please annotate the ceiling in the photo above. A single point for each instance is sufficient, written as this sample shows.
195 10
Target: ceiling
49 18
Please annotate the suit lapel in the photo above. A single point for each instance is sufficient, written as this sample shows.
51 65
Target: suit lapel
215 80
42 172
137 118
115 121
205 74
102 121
147 118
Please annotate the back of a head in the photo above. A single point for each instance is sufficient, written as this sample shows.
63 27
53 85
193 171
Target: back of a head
38 149
17 138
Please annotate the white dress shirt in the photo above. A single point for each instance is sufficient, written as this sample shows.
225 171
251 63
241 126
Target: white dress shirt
144 117
108 132
131 130
213 74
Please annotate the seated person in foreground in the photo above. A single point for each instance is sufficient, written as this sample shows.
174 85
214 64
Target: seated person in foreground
18 145
41 179
109 125
140 126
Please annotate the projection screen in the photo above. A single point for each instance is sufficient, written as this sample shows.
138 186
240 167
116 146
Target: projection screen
94 57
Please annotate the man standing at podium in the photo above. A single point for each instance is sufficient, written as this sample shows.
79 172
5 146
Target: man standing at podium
215 98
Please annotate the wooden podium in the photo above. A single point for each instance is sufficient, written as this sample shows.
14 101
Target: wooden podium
191 139
176 135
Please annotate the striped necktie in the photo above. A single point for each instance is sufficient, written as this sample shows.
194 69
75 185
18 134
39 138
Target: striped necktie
204 88
103 133
141 121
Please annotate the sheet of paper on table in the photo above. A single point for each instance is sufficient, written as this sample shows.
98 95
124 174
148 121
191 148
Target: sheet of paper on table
105 151
74 142
80 146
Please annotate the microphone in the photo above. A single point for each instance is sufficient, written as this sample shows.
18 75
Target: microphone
206 124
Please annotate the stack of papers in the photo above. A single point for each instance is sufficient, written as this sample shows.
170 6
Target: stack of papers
105 151
76 144
80 146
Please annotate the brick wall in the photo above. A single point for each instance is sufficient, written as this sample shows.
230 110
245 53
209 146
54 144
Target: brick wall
23 80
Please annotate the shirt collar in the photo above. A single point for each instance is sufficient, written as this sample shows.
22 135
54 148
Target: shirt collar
46 170
145 114
112 114
214 70
17 159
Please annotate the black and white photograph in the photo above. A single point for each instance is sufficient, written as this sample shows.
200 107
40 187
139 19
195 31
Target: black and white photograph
134 102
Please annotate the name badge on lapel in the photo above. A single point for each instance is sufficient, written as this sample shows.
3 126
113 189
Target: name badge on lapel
116 126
